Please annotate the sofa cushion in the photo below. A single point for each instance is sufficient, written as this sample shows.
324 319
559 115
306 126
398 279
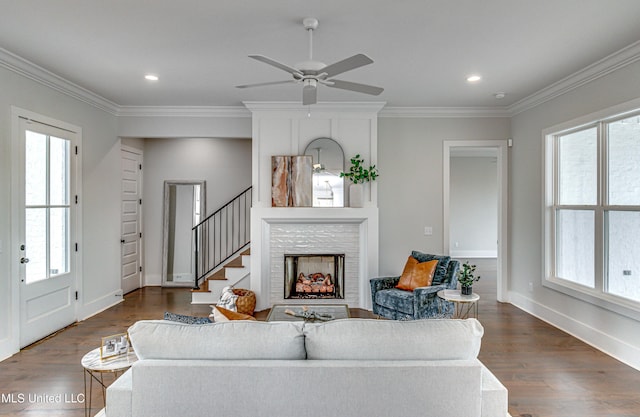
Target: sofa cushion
367 339
416 274
157 339
440 275
396 299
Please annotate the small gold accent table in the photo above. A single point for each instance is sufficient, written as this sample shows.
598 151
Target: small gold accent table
337 311
95 368
465 305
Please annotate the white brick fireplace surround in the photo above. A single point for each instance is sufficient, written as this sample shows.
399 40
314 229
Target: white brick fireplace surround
353 232
287 129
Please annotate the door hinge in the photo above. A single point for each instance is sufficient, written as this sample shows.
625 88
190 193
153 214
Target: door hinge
140 269
76 247
140 201
76 198
76 295
140 234
76 150
140 166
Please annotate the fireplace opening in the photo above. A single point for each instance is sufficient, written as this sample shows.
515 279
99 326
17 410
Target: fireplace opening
314 276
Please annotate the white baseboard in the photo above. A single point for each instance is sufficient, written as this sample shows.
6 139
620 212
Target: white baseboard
612 346
99 305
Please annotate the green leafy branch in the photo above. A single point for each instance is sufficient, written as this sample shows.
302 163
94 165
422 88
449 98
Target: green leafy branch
358 174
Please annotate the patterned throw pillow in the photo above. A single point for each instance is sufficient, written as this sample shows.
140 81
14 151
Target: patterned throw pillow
181 318
440 275
228 299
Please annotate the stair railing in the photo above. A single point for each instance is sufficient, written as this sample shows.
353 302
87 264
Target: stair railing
221 235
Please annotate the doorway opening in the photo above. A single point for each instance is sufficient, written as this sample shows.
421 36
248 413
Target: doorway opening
475 204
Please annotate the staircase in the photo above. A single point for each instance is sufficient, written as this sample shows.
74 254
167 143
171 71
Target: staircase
222 256
236 272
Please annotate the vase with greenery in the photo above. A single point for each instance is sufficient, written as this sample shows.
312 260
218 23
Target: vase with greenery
358 174
466 278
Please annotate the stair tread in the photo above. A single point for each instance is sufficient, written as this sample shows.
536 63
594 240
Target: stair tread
220 275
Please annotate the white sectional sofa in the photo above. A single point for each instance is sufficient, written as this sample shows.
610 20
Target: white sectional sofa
352 367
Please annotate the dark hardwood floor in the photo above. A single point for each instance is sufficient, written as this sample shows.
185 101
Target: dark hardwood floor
547 372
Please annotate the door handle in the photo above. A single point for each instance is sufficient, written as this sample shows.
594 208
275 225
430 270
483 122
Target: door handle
24 260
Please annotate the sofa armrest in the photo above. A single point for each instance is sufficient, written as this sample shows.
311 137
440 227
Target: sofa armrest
424 292
119 394
382 283
427 304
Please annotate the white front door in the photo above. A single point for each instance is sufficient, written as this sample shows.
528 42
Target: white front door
46 229
131 234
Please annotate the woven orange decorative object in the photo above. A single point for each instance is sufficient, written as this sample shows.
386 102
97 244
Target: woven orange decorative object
246 302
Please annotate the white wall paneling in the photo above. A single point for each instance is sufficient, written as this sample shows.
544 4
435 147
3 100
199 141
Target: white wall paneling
286 129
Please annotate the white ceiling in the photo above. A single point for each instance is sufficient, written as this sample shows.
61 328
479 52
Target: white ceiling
423 49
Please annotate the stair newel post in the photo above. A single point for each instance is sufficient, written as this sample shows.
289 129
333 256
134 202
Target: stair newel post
195 257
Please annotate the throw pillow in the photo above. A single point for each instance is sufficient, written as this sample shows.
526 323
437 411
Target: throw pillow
440 275
228 299
181 318
219 314
416 274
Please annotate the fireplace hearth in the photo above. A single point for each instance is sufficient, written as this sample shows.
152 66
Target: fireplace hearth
314 276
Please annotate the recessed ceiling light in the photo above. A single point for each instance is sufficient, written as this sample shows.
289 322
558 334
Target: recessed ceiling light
474 78
151 77
500 95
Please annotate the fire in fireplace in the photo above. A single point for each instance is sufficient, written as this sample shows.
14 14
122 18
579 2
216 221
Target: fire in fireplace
314 276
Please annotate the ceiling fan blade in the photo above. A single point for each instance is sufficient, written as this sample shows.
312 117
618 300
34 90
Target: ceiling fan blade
360 88
345 65
309 95
267 83
277 64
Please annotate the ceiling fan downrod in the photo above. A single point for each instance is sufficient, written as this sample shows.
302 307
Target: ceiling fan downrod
310 24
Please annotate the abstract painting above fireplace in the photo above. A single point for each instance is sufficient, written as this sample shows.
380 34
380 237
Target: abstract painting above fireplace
314 276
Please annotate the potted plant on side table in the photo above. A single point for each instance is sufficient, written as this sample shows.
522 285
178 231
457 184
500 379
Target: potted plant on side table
466 278
358 175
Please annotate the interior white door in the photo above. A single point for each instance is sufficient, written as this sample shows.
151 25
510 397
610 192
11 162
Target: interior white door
47 229
131 230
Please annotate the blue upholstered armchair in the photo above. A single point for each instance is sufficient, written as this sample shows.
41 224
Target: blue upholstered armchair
421 303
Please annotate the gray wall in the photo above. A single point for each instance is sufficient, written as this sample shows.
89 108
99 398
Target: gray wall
473 206
100 194
614 333
410 192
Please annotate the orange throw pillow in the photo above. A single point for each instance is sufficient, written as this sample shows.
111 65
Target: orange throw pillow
417 274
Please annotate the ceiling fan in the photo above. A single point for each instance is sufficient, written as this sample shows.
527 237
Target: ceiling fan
310 73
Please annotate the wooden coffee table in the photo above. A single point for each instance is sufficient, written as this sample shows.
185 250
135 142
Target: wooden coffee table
326 312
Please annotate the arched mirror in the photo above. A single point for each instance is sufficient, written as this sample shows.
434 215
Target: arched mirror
184 207
328 163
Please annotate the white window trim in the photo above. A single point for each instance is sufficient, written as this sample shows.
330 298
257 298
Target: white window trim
597 295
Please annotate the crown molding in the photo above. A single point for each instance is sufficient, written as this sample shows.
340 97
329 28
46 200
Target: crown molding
28 69
607 65
613 62
350 106
444 112
183 111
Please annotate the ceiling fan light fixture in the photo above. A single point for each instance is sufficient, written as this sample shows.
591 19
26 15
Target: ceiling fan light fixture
310 73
